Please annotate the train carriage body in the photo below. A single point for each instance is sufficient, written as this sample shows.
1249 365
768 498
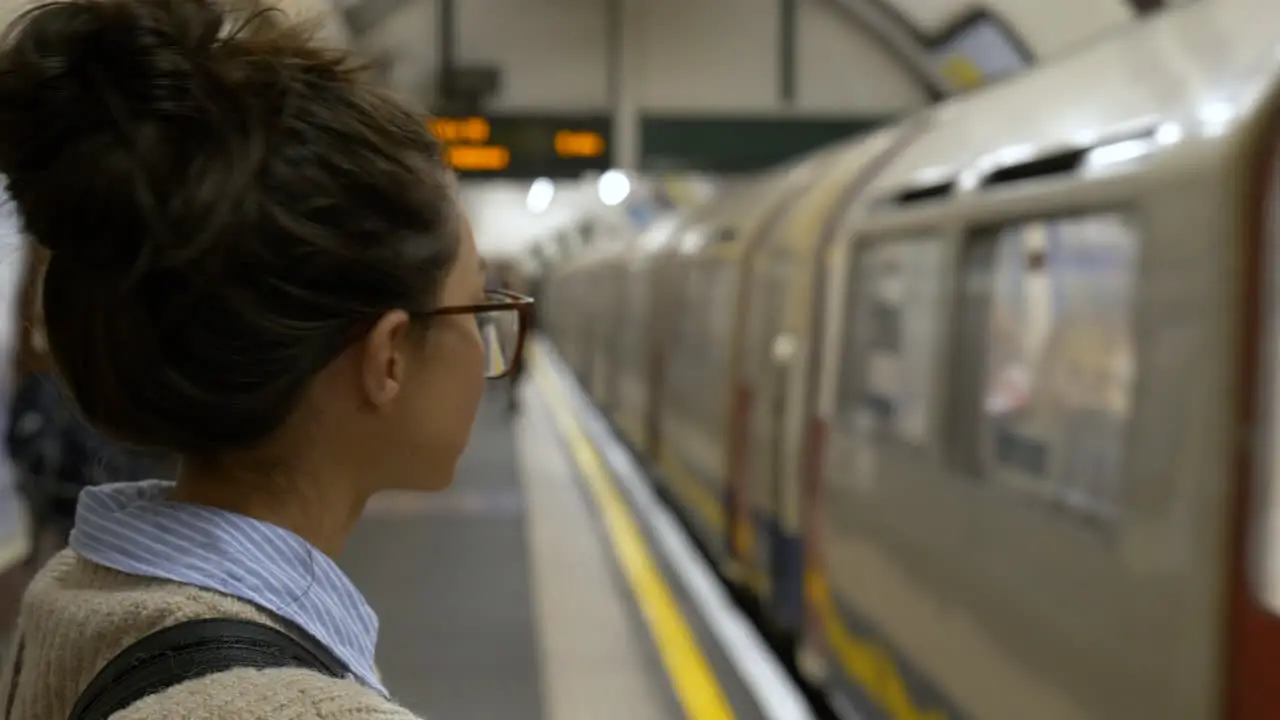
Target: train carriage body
778 375
634 320
985 405
702 290
1030 398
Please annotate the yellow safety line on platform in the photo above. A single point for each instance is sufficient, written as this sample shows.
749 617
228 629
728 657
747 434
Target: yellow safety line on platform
695 683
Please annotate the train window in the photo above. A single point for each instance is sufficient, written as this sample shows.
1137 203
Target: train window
712 301
886 382
721 309
723 306
1051 385
636 314
692 363
686 341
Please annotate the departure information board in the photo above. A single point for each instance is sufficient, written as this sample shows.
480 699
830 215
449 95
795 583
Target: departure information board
525 146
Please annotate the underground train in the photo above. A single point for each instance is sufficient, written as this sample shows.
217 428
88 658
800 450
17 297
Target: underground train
981 407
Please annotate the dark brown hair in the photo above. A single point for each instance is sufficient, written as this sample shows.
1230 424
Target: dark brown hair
227 206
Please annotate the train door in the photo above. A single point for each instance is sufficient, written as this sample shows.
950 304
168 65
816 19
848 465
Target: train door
768 354
575 324
690 457
601 302
1251 691
615 340
749 343
587 331
738 529
634 343
781 353
567 323
664 281
826 276
826 315
724 282
634 317
812 649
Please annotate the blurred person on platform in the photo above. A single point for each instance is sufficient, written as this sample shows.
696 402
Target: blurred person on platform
55 452
257 263
513 278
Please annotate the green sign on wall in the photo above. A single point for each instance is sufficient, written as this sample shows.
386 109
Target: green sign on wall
732 145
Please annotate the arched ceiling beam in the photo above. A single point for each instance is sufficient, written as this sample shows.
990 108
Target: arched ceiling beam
898 38
977 48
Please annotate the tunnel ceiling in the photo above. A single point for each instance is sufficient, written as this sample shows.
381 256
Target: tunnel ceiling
949 46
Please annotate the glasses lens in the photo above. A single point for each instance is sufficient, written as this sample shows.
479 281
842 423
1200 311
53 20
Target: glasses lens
500 330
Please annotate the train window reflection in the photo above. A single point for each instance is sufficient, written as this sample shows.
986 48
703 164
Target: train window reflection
692 400
1059 368
887 381
722 308
687 341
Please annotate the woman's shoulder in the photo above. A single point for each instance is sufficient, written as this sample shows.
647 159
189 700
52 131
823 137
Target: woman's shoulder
77 615
289 694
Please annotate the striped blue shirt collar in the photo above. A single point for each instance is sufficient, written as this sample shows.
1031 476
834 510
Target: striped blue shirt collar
134 528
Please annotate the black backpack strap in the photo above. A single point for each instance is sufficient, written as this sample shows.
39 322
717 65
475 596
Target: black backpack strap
192 650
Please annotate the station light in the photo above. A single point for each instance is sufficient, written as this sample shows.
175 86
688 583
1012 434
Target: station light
613 187
541 193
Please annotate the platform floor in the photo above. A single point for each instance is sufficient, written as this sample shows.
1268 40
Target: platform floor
524 593
450 579
498 597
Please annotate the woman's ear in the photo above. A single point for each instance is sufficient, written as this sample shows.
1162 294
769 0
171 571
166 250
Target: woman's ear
384 359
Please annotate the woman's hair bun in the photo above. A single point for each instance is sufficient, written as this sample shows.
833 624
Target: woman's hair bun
227 201
126 88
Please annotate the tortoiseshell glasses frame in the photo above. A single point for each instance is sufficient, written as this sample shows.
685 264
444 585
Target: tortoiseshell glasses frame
520 307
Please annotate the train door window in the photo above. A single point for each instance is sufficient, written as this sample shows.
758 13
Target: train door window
767 307
612 307
683 334
757 344
720 310
1058 362
722 305
697 315
691 337
887 377
637 312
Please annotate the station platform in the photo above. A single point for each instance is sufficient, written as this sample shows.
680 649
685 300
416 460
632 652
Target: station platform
549 583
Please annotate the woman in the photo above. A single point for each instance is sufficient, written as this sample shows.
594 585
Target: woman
257 264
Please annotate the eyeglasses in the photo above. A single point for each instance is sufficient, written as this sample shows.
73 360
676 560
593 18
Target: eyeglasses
502 319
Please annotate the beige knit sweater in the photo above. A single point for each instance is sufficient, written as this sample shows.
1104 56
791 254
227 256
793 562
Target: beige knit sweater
77 615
